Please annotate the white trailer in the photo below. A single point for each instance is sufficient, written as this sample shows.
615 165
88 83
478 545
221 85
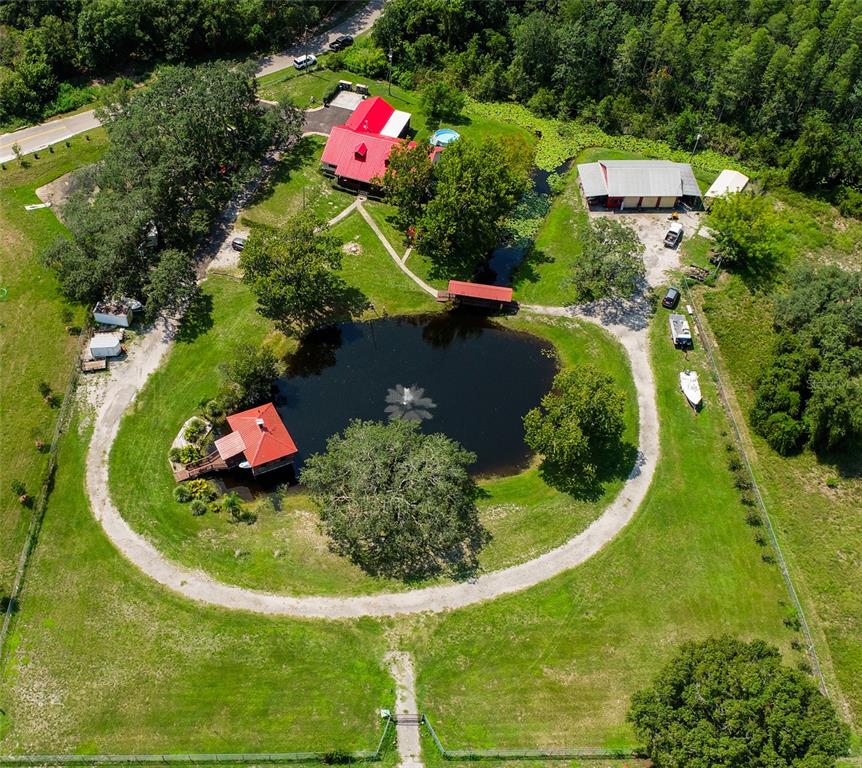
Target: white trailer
680 331
106 345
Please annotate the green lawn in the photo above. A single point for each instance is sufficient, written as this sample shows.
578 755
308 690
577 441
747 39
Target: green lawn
376 275
814 502
296 183
541 277
45 351
283 550
556 665
104 660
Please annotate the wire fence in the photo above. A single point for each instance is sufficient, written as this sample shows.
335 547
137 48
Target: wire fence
40 504
332 757
761 506
563 753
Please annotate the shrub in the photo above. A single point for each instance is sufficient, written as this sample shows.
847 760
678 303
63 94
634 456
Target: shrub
753 518
850 202
760 540
733 463
365 58
832 482
742 482
747 499
194 431
232 504
174 455
182 494
198 507
767 557
44 389
187 454
18 488
337 757
202 489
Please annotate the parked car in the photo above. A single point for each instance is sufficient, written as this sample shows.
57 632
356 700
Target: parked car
304 62
238 243
673 236
671 298
340 43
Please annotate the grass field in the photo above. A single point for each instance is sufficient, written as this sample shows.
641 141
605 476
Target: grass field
556 666
284 551
33 303
297 183
814 501
104 660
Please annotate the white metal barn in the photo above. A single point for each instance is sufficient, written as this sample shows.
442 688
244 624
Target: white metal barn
627 185
106 345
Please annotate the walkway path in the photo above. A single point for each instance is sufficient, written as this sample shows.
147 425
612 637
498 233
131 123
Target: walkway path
407 721
38 137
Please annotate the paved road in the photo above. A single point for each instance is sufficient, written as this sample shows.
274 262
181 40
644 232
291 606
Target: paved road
38 137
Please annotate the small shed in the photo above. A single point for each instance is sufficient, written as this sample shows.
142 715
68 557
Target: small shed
106 345
115 312
727 183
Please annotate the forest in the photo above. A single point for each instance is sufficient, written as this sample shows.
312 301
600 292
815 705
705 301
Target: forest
51 50
777 82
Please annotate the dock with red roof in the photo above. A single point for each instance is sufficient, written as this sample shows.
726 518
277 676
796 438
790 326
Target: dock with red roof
463 292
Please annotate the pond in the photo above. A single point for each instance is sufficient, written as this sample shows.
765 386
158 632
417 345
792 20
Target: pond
477 380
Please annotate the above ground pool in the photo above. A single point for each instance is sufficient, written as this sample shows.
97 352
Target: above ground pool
443 136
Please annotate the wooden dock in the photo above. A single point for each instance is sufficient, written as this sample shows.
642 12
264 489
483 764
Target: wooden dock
212 462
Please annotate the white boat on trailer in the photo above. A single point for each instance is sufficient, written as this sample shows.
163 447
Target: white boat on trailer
690 387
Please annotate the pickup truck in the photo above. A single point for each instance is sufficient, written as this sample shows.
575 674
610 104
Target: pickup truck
673 236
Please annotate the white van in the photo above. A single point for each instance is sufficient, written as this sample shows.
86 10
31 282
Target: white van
305 62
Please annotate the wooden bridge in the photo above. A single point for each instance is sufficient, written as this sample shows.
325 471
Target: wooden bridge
212 462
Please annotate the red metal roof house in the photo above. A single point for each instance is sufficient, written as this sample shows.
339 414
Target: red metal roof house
261 437
357 151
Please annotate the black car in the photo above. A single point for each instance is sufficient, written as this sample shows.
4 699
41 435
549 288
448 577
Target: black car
671 298
341 43
238 243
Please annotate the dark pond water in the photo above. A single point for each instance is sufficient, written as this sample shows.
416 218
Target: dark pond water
480 379
504 260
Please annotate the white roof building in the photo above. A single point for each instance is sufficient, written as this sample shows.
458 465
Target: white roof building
106 345
639 183
727 182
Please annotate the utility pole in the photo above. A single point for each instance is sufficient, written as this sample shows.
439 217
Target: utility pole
305 41
389 75
694 149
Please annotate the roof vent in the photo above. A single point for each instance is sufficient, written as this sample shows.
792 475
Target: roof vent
259 422
361 151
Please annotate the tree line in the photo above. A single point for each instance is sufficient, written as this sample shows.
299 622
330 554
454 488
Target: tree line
177 151
48 48
779 81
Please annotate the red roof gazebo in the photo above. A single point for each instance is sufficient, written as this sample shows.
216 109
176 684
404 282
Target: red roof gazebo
261 437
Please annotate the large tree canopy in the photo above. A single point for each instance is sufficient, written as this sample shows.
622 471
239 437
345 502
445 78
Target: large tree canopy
750 77
396 501
724 703
476 183
812 391
294 272
610 264
45 47
177 150
578 426
747 231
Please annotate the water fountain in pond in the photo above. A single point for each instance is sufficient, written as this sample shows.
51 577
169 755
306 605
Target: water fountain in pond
408 404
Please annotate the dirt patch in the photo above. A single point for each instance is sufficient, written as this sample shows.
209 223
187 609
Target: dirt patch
651 229
353 248
57 192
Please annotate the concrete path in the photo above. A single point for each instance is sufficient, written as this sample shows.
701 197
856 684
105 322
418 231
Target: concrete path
407 723
393 253
57 129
